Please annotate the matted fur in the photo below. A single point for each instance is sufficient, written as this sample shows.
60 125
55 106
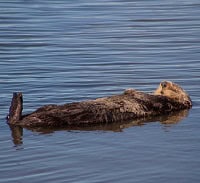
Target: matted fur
131 104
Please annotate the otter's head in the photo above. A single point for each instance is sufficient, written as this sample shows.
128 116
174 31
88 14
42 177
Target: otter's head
175 92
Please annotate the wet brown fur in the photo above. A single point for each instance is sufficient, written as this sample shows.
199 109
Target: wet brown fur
173 91
131 104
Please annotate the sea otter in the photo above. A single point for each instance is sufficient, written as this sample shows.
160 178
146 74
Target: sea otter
131 104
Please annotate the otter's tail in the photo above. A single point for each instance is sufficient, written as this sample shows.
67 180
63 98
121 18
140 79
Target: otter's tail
16 107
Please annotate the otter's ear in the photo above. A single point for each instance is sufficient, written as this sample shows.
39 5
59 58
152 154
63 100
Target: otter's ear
164 84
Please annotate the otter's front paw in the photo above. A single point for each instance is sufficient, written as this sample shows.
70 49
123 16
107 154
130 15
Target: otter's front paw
129 91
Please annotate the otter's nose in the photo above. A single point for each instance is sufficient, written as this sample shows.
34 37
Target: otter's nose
164 84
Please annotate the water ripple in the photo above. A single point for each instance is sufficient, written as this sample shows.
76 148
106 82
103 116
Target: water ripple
66 51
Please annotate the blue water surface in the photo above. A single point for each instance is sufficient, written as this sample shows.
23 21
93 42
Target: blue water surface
66 51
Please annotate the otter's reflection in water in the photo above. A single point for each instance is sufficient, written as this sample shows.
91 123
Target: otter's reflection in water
170 119
17 134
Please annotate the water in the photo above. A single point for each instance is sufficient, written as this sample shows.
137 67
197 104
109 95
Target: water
66 51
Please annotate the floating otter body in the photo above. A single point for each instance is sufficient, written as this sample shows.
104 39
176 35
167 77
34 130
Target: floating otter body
132 104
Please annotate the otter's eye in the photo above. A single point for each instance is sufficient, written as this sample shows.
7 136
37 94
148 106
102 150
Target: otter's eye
164 84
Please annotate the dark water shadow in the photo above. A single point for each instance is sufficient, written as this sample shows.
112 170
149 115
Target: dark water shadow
17 134
170 119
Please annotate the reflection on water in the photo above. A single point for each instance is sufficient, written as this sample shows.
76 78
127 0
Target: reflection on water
170 119
71 50
17 134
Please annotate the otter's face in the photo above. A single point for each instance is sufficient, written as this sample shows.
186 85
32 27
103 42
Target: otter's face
173 91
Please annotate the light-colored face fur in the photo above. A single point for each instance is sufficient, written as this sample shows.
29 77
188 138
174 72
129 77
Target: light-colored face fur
173 91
